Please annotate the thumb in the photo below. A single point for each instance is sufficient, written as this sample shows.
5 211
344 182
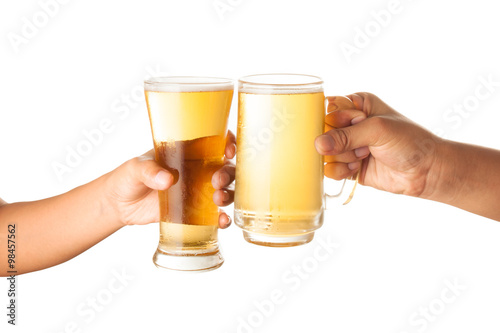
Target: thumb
146 171
340 140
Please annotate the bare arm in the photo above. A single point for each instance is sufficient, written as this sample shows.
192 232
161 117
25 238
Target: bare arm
399 156
467 177
54 230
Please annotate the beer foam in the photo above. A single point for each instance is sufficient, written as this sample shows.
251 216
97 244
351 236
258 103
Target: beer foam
280 84
280 90
187 84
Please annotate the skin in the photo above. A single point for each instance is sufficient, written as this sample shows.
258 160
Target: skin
398 156
54 230
403 158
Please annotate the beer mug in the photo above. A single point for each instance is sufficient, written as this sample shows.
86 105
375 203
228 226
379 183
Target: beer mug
188 117
279 196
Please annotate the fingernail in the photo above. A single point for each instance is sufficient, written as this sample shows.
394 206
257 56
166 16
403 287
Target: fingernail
326 142
357 119
232 150
162 178
353 165
225 196
360 152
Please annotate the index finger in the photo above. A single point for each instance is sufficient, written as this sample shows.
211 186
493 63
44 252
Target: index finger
340 111
343 118
230 149
370 104
337 103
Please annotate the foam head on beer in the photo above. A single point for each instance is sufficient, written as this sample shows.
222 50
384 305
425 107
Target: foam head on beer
198 100
279 173
188 119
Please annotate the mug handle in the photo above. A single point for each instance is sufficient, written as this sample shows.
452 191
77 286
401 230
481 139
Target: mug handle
344 103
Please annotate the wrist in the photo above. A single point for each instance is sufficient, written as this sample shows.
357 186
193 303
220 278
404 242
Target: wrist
444 176
108 210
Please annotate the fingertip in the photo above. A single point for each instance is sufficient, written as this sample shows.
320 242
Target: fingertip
163 179
230 151
221 197
357 99
362 152
231 138
324 144
353 165
339 171
357 119
336 103
224 220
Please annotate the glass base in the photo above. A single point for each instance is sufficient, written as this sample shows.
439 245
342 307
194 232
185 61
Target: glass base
278 230
277 241
201 262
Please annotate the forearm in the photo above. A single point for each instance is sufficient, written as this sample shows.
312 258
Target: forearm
54 230
468 178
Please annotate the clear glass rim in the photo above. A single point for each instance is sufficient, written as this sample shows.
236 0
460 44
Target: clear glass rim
280 82
188 83
251 79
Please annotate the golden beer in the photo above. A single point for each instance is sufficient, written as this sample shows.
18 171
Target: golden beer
188 119
279 173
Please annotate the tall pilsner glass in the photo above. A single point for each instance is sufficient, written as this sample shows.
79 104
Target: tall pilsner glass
188 117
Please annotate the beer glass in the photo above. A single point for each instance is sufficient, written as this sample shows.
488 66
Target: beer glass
188 117
279 197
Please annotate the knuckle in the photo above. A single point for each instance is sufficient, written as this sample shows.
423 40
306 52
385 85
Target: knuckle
380 126
143 167
364 94
148 172
369 99
380 123
133 163
377 121
367 96
341 139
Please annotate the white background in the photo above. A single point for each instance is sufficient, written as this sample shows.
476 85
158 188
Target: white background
396 253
